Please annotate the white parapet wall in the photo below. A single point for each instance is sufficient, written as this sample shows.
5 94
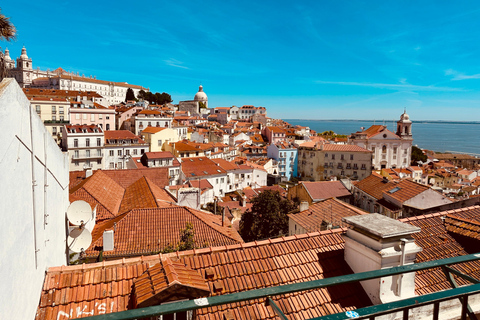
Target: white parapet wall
34 198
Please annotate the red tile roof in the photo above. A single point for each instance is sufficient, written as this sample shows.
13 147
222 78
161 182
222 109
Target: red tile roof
168 281
233 268
121 134
199 167
150 129
344 148
146 231
329 211
374 185
107 287
319 190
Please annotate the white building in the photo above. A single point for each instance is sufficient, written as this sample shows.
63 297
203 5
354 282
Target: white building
34 197
84 145
389 150
120 147
26 76
151 118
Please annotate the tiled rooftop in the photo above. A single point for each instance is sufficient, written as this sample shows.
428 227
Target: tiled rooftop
146 231
327 211
325 189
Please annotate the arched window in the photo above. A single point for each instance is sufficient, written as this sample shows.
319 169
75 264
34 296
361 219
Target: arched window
384 149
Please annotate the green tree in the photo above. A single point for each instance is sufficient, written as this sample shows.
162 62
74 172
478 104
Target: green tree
7 33
130 95
211 207
141 95
267 217
417 155
187 241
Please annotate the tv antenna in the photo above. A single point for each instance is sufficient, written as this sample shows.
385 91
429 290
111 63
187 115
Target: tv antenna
79 238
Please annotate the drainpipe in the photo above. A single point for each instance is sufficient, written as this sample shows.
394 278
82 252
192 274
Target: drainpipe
34 184
403 242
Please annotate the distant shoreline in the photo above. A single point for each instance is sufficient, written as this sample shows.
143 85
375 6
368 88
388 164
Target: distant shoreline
389 121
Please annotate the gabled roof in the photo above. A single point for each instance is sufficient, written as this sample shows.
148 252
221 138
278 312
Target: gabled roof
121 134
151 129
327 211
320 190
200 167
374 185
146 231
247 266
102 189
168 281
159 155
344 148
405 190
464 222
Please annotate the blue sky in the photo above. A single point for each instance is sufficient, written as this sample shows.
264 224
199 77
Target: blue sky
299 59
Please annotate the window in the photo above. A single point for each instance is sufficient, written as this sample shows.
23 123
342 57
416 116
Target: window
54 109
364 167
216 181
75 143
87 153
37 109
119 152
62 118
84 116
222 180
326 155
119 166
395 150
333 157
342 157
351 157
54 118
54 130
127 152
111 153
384 149
77 116
88 163
134 151
87 142
100 116
99 152
142 151
99 142
75 154
108 126
60 110
92 117
76 163
99 161
108 118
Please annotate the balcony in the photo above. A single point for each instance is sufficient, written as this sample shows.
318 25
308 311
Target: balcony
57 121
82 155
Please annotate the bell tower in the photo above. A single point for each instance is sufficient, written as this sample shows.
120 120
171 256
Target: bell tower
404 127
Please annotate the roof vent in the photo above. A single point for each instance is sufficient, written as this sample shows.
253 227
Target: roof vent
108 240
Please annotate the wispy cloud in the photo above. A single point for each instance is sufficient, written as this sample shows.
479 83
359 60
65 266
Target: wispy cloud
175 63
461 76
402 86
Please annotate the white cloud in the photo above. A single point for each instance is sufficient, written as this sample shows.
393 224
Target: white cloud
401 86
175 63
461 76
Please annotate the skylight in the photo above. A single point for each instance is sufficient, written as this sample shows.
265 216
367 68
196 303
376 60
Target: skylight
394 190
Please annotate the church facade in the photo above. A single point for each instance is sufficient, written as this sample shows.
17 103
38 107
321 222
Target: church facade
27 77
389 150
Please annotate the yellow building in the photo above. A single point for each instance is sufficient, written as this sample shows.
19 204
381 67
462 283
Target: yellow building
158 137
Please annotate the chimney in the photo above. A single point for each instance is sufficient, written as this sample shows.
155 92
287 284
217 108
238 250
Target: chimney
223 217
377 242
108 241
88 172
303 206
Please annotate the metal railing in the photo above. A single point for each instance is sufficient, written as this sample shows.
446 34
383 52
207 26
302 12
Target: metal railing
371 312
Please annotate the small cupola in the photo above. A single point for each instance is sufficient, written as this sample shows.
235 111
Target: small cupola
375 242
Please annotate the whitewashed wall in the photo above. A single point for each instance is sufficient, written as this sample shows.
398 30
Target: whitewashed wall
33 199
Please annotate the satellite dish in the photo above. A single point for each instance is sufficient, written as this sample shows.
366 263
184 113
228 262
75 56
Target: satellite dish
79 212
79 240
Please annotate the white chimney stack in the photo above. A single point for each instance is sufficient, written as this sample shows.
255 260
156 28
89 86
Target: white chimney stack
378 242
303 206
108 240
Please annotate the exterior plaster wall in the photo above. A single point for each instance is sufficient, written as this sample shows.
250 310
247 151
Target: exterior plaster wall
34 175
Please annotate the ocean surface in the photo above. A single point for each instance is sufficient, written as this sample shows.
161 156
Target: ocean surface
440 136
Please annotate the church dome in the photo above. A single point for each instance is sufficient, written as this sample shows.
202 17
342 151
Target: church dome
24 54
7 55
405 117
200 95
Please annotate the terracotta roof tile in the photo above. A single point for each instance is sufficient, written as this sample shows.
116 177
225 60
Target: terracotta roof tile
325 189
320 214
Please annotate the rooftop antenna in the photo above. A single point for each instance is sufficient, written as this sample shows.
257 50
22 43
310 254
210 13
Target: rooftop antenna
78 214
